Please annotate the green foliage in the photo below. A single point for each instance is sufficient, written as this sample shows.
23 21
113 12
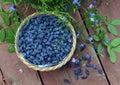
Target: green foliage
1 27
92 18
116 49
2 35
10 36
99 49
115 42
15 17
112 29
116 22
15 28
100 34
113 48
11 48
6 18
111 55
111 25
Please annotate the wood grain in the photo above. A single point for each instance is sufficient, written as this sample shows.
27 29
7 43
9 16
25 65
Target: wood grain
112 70
1 78
14 71
56 77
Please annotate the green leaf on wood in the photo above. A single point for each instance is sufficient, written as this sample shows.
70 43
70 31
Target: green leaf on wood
112 57
112 29
96 38
1 1
16 2
116 49
115 42
108 20
15 17
1 27
2 35
15 28
11 48
116 22
111 54
99 49
10 36
5 18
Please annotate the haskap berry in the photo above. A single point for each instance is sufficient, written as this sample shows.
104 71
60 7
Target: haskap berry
45 40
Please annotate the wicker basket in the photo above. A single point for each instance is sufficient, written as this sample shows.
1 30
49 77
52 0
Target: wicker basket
35 67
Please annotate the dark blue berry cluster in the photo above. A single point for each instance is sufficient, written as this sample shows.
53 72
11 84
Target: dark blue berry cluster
78 71
45 40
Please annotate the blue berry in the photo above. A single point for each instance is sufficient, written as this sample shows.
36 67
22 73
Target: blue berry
87 72
100 71
67 81
95 67
89 65
84 77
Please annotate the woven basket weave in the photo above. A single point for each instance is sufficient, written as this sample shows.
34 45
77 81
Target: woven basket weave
35 67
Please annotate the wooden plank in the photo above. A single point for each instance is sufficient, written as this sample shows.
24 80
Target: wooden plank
1 78
112 70
56 77
14 71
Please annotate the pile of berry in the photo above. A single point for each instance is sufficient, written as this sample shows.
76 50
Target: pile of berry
45 40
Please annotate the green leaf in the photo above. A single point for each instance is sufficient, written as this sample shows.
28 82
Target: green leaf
15 17
111 54
116 22
112 29
108 20
1 27
116 49
99 49
10 36
15 28
11 48
115 42
16 2
8 1
89 24
112 57
1 1
5 18
96 38
2 35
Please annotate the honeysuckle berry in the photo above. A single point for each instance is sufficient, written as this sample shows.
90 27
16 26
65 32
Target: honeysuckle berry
108 40
87 72
100 71
94 2
78 34
91 6
92 19
90 39
84 77
76 2
92 14
12 8
89 65
67 81
43 41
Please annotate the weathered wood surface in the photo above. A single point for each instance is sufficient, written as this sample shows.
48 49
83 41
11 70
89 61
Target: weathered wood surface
56 77
1 78
112 70
14 71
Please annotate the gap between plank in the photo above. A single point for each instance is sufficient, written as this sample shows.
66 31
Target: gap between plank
3 78
40 77
95 51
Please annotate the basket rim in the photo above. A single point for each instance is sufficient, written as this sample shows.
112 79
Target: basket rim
36 67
